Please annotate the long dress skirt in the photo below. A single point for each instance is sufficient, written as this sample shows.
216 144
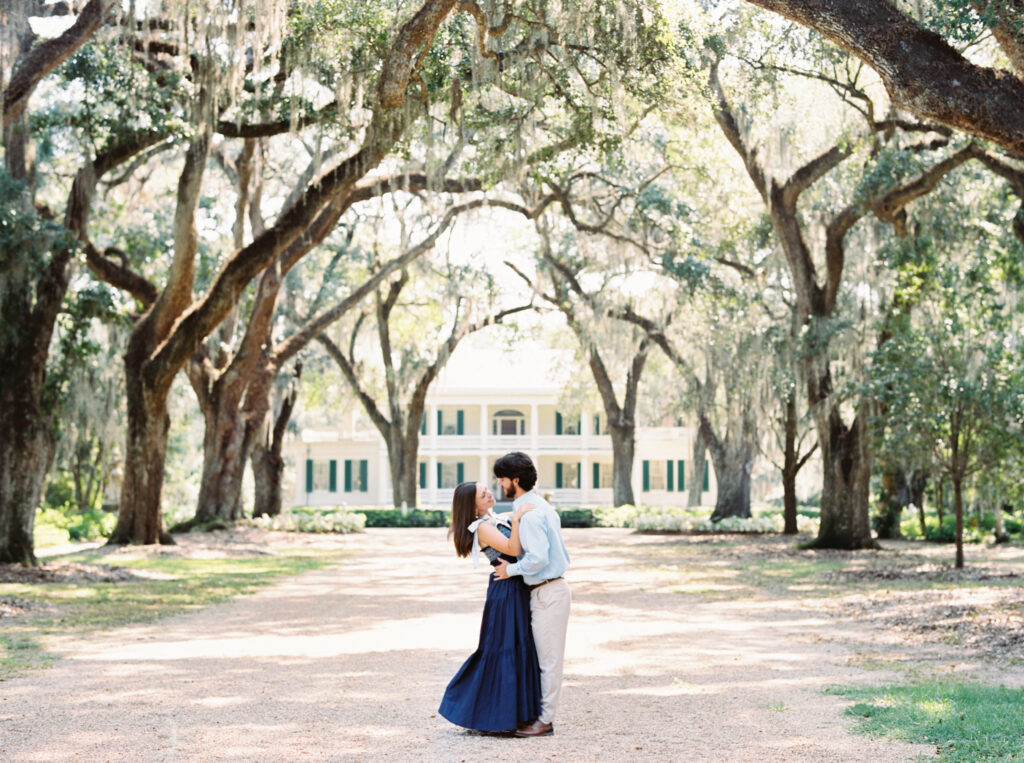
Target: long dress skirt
498 687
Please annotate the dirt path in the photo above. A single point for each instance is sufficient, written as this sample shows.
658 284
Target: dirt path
349 664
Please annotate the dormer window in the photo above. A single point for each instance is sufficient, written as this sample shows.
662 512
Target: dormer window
508 422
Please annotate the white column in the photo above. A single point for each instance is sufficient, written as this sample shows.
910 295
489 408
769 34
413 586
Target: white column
585 478
432 486
484 428
585 425
484 476
432 432
383 476
534 427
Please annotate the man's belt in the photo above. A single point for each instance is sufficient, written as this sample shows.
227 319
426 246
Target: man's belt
549 580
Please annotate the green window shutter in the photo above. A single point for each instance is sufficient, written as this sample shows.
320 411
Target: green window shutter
423 476
494 426
558 474
333 484
423 423
579 474
460 422
460 473
440 420
707 480
439 475
647 476
681 481
669 481
348 475
309 475
597 423
597 476
364 476
579 425
558 423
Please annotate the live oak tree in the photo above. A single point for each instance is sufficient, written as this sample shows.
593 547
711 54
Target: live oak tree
583 299
845 445
952 380
38 254
947 372
175 326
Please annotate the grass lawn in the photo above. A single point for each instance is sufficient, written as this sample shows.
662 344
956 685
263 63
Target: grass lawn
966 722
162 586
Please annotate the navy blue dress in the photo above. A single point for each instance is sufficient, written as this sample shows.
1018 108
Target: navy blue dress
498 687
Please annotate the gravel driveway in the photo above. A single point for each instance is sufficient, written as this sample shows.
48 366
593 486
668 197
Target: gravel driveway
349 663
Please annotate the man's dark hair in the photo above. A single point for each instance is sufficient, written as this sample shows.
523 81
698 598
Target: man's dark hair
517 464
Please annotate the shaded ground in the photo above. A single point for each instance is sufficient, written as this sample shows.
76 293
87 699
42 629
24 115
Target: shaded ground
680 648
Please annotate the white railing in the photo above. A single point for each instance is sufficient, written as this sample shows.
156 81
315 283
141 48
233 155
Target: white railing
509 442
457 442
559 442
566 497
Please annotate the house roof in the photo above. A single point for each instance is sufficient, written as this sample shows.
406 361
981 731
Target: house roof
474 370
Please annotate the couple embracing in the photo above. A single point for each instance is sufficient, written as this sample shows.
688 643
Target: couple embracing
513 680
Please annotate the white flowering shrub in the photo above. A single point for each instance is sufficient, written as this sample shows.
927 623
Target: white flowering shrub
698 520
314 522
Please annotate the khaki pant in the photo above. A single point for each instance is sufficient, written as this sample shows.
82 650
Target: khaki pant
549 617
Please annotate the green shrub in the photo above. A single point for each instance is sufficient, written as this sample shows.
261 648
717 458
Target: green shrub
59 525
974 531
697 519
301 521
411 518
577 518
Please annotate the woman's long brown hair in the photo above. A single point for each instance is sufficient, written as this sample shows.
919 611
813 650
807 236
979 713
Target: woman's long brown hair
463 515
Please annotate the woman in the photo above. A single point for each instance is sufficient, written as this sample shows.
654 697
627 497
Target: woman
498 687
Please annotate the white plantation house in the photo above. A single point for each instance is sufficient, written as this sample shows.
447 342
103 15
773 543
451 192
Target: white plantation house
482 406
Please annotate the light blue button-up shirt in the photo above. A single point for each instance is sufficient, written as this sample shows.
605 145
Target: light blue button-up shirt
540 531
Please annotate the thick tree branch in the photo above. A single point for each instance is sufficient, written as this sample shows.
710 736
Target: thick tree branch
47 56
921 72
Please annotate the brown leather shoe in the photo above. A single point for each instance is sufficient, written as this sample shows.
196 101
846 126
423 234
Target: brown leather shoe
536 729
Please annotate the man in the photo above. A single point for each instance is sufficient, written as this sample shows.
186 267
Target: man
542 565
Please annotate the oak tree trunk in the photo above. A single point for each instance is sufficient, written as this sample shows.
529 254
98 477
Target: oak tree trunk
623 437
846 461
696 488
140 520
227 445
732 462
403 461
892 498
790 467
267 461
958 508
25 460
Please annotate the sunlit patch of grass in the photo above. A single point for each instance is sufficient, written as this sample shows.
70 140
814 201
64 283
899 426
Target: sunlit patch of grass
20 652
966 722
182 584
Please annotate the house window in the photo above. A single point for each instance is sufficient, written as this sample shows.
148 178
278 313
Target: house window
508 422
603 476
357 476
450 475
567 475
322 475
451 424
658 475
565 424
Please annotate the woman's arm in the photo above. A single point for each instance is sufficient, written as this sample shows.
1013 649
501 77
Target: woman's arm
515 546
489 535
